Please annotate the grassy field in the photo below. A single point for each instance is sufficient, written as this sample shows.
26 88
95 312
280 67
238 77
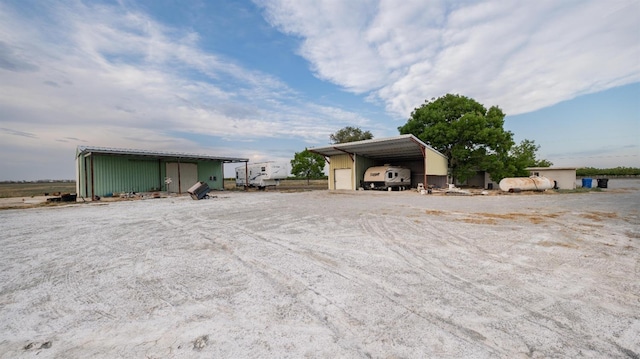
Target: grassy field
9 190
28 189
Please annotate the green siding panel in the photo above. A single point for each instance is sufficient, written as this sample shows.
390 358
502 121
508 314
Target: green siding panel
211 173
120 174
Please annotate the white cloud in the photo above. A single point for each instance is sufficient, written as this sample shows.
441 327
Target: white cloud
112 76
521 56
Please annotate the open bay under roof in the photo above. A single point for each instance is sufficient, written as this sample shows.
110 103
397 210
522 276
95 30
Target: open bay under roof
403 147
177 156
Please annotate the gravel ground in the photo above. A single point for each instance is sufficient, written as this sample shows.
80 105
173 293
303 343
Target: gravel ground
325 274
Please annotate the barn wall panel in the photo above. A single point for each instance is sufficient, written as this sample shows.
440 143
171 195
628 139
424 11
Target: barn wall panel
113 174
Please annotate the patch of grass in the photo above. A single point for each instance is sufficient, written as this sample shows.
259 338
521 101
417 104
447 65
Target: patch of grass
533 218
536 220
500 216
493 218
579 190
10 190
480 220
599 216
36 205
557 244
632 234
285 185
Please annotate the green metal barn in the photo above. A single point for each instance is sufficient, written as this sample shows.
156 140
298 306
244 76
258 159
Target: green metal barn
102 171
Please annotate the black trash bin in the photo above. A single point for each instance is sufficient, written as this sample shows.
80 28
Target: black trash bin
603 182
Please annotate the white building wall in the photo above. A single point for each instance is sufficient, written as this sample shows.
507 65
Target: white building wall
565 177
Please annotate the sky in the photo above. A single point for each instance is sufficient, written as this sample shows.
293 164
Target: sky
266 79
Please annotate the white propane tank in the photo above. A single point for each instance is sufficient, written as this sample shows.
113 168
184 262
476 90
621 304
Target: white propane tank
533 183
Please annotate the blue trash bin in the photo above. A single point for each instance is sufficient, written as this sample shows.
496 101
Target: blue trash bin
586 182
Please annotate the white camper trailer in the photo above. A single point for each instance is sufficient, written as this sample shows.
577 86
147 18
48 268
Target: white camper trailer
262 174
387 177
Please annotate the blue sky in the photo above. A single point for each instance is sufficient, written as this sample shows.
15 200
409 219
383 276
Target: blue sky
265 79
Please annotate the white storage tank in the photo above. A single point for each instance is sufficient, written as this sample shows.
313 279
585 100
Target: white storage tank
533 183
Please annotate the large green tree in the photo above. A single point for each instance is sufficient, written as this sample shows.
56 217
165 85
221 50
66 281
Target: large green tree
350 134
307 164
462 129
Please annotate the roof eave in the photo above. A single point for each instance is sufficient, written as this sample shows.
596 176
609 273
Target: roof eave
88 151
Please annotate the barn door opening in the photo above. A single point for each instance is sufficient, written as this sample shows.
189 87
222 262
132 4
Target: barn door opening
183 176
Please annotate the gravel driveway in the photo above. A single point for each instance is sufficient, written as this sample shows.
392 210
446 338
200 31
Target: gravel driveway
325 274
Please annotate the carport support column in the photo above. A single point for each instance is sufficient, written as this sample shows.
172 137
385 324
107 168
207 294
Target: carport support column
85 171
354 170
424 161
425 173
93 182
160 174
246 176
179 179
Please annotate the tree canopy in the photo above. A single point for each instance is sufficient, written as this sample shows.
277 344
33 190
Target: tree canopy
462 129
307 164
350 134
472 138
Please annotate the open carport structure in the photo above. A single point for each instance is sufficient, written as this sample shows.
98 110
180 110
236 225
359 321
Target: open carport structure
101 171
349 161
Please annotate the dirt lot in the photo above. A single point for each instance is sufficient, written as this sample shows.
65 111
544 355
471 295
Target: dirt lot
324 275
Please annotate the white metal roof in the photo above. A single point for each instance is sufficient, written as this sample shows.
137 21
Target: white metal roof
89 150
390 148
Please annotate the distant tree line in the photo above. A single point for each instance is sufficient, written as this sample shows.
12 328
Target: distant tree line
618 171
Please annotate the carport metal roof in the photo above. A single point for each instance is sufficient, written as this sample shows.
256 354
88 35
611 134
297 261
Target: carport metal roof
89 150
403 147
